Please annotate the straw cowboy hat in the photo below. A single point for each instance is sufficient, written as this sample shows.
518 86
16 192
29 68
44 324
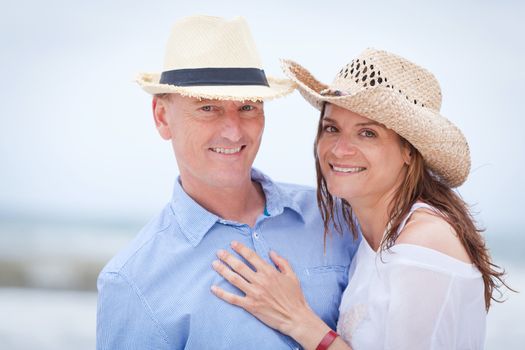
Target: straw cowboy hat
399 94
210 57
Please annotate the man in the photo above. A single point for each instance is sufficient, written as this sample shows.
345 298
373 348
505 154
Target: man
155 294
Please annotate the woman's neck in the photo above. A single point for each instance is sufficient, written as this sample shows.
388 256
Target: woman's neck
373 215
372 220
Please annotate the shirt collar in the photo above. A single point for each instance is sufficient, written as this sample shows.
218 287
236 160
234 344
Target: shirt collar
276 198
195 221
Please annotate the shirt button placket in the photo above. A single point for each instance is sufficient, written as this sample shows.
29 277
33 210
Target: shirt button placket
261 248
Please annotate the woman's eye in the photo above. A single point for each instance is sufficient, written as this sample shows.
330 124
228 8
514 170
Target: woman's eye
329 128
368 133
247 108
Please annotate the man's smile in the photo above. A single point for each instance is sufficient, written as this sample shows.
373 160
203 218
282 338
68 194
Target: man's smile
224 150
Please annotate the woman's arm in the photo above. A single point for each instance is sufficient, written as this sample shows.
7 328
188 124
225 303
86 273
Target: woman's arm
272 295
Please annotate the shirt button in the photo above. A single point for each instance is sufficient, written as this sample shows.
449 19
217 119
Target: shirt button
256 235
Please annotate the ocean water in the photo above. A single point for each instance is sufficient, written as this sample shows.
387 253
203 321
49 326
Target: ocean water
48 291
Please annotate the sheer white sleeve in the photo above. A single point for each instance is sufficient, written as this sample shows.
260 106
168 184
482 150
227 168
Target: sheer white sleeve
417 300
429 293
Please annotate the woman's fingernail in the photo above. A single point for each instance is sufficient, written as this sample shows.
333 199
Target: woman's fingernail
215 263
221 253
213 288
234 244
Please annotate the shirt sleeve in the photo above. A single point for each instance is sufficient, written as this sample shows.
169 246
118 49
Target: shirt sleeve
124 320
418 298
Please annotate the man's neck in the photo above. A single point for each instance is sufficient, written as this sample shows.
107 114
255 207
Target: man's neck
242 203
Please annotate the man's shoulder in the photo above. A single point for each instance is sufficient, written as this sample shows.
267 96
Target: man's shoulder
296 190
302 196
141 244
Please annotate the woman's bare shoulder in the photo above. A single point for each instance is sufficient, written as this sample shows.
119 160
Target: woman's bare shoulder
427 229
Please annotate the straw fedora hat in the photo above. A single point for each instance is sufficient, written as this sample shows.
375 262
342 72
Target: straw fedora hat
211 57
400 95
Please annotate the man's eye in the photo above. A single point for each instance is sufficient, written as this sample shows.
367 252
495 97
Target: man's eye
206 108
247 108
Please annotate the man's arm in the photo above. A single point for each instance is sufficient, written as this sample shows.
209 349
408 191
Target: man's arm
124 319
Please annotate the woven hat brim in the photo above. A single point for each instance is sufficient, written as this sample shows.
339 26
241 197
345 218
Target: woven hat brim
278 88
441 143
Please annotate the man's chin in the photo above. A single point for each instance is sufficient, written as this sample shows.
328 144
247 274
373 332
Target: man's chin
229 178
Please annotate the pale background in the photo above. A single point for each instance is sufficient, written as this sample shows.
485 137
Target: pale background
82 167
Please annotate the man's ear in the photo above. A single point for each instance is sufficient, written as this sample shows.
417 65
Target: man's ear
160 117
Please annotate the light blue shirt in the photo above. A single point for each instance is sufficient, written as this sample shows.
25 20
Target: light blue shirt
155 293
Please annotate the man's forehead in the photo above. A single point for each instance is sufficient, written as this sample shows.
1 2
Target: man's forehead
200 101
181 101
204 100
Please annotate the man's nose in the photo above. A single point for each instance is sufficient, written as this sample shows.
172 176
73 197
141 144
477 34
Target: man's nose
231 127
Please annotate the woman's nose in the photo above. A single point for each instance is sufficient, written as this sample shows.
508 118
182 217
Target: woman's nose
344 147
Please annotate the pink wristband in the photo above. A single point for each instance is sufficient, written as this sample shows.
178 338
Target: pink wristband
327 340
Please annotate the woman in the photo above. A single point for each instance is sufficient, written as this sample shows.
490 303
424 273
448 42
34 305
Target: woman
422 277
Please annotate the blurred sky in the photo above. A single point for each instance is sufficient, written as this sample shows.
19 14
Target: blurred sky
76 134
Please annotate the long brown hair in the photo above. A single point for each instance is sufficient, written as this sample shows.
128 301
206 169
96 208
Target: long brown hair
419 184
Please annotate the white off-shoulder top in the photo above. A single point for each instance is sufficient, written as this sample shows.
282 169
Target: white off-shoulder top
412 298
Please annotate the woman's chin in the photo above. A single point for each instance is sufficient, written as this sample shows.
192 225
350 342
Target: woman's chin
342 192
